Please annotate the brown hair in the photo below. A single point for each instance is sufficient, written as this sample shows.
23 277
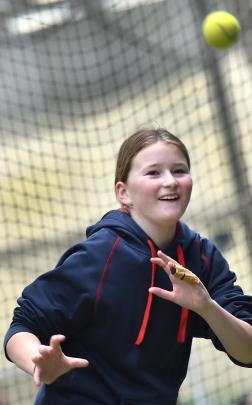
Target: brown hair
139 140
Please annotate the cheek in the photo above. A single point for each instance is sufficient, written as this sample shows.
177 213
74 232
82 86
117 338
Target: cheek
187 186
144 186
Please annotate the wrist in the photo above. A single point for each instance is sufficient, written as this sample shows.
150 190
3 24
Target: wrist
209 307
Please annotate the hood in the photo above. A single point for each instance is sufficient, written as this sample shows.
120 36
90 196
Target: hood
128 229
123 225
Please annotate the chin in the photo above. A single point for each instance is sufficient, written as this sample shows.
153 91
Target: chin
169 219
174 215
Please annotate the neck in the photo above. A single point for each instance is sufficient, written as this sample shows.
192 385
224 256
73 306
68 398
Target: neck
162 241
161 234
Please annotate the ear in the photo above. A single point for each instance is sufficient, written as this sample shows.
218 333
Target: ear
122 194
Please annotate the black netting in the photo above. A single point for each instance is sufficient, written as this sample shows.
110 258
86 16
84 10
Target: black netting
76 78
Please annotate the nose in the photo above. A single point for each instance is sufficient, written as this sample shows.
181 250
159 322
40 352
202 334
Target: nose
169 179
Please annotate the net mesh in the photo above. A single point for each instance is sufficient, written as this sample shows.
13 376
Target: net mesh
76 78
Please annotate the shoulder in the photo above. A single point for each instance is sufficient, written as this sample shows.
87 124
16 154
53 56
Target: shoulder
203 255
193 239
95 245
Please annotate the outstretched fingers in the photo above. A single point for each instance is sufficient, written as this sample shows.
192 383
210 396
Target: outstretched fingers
164 261
159 292
167 260
56 340
50 361
72 362
75 362
45 352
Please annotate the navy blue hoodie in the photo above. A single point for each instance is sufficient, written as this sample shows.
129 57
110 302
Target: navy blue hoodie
138 345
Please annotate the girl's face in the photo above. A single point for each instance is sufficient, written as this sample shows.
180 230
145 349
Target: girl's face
158 187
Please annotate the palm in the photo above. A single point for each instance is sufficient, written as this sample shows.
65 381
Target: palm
193 297
51 362
188 296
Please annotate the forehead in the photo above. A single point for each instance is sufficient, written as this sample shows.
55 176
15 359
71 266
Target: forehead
158 153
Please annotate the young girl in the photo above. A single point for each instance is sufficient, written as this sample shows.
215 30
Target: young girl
94 330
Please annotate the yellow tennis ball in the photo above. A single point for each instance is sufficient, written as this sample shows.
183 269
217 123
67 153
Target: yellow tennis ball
220 29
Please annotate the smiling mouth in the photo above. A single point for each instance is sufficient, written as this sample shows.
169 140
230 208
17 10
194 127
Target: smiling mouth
169 198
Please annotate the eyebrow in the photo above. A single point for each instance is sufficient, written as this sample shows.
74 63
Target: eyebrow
153 164
149 166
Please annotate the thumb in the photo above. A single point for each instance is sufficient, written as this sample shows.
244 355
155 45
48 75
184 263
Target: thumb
36 376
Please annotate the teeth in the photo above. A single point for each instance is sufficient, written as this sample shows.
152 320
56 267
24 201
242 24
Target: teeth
169 197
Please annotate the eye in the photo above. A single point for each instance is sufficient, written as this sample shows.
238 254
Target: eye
153 173
181 171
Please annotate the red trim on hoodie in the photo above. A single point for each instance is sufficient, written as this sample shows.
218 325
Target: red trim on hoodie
104 273
146 316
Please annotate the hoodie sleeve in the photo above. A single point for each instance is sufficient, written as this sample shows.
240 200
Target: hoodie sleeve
220 282
62 300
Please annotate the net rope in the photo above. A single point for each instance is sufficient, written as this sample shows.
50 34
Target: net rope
76 78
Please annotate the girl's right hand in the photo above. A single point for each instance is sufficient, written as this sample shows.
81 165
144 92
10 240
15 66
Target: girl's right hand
50 362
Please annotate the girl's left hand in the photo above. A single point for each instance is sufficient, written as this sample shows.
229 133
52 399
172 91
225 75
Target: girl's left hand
191 296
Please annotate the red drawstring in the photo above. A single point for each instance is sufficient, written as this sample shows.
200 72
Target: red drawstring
149 300
184 312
